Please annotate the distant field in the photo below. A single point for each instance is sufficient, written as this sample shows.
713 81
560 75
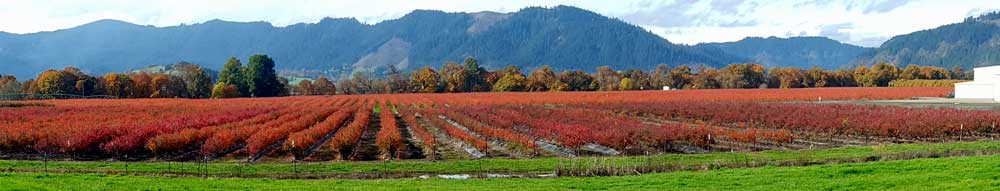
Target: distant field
960 173
476 125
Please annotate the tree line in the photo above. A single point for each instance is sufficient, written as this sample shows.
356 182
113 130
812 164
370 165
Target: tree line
259 79
470 77
193 82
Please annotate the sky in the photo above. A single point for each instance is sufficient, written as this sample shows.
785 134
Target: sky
865 23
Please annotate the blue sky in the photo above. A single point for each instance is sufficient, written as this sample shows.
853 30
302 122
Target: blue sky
866 23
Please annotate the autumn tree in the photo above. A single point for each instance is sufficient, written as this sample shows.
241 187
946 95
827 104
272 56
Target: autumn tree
29 86
396 83
9 84
742 76
639 80
934 73
924 72
197 81
222 90
817 77
883 73
379 86
51 82
863 77
661 76
305 87
69 78
361 84
118 85
142 85
706 78
879 74
426 80
78 82
168 86
323 86
346 86
680 77
607 79
491 78
543 79
626 84
86 85
512 80
454 77
842 78
576 80
911 72
783 77
959 73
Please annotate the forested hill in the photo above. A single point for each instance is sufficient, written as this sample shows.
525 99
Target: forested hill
972 43
800 52
562 37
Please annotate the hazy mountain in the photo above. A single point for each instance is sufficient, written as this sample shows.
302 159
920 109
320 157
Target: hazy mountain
177 69
562 37
801 52
972 43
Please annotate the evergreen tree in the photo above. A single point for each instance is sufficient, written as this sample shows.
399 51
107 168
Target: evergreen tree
232 74
261 79
475 76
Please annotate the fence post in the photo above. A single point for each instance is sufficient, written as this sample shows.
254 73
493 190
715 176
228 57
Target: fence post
45 161
558 166
239 170
205 161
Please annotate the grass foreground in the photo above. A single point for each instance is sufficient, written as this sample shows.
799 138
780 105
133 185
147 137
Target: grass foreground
955 173
671 162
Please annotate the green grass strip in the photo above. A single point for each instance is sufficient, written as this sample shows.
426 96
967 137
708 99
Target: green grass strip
955 173
540 165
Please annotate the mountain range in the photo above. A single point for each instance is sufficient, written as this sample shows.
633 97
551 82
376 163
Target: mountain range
801 52
974 42
563 37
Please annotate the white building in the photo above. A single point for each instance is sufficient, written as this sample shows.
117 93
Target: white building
986 85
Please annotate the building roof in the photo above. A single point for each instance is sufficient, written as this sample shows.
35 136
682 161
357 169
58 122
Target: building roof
974 83
990 67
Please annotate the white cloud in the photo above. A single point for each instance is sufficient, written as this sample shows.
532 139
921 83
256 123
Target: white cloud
680 21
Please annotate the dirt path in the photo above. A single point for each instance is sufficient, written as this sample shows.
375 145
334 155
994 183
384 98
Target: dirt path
448 148
366 150
497 148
